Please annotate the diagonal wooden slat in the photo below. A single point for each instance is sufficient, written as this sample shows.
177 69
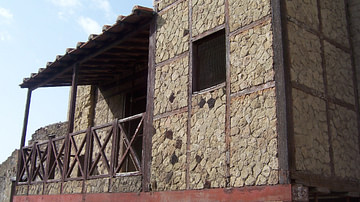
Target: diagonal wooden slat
129 147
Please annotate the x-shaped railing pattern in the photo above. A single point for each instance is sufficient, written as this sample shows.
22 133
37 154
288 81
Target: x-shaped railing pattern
80 154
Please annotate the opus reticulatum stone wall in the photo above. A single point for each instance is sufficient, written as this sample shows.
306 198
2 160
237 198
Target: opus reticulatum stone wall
207 143
214 153
169 153
325 124
254 140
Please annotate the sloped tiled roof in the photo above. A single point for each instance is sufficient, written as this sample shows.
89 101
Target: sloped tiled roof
106 56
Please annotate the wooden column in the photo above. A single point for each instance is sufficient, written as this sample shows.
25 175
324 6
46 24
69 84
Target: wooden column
26 118
71 117
71 114
283 89
148 119
23 136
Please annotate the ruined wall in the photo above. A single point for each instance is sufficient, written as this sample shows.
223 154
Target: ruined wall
7 171
323 86
56 130
246 153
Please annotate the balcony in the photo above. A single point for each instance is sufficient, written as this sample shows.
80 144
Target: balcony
109 150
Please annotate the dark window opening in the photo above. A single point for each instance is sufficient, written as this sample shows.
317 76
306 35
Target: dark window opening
209 61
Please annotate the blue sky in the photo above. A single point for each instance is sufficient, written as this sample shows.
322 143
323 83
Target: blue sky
33 33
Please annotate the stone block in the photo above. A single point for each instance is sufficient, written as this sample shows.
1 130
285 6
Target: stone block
168 166
334 24
36 189
52 188
207 142
172 36
126 184
339 73
345 142
304 11
171 86
251 58
82 108
21 190
244 12
101 113
310 134
253 144
305 57
207 15
100 185
72 187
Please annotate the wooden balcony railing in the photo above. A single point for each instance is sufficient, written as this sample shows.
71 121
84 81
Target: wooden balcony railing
108 150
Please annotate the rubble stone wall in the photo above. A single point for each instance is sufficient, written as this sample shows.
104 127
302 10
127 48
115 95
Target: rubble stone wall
207 142
7 171
196 121
171 86
169 153
253 146
326 135
56 129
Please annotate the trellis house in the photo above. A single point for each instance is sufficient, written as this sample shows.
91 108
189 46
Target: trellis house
200 100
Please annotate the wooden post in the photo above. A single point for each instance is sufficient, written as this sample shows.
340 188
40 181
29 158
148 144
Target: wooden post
26 118
71 117
283 91
71 114
148 120
23 137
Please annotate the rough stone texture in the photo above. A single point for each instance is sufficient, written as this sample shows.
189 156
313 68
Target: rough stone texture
339 73
304 11
305 56
244 12
7 171
207 143
56 129
172 36
36 189
82 109
169 153
354 10
107 109
97 185
207 15
21 190
333 18
251 58
126 184
171 86
345 142
161 4
310 134
72 187
253 145
52 188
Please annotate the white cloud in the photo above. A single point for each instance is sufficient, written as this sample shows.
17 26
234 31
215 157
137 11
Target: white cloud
5 15
103 5
66 3
4 36
89 25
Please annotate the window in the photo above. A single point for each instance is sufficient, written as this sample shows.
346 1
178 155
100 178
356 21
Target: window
209 61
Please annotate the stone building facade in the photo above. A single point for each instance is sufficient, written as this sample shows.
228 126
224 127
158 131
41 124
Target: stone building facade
281 112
